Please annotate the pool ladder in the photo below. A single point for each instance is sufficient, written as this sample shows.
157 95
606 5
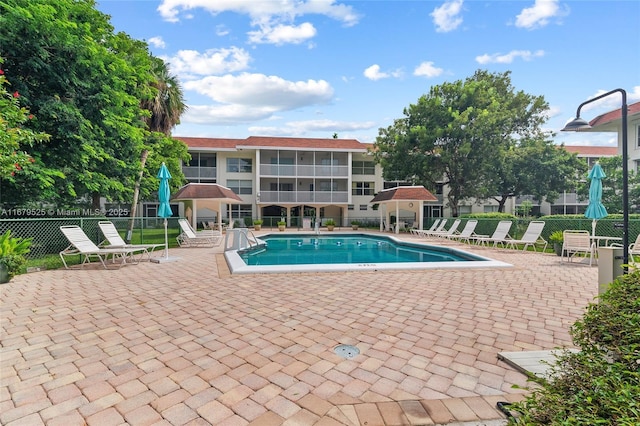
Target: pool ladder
240 239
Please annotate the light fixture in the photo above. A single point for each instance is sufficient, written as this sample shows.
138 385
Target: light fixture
578 124
410 205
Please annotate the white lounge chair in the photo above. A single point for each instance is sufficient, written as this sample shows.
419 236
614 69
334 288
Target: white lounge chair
439 228
577 242
83 246
532 237
445 233
499 236
114 240
416 231
634 250
466 233
191 238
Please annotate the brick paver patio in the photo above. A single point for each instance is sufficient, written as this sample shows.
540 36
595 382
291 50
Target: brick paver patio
185 343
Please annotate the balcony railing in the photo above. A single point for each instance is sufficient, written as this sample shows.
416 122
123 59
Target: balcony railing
303 170
191 172
304 197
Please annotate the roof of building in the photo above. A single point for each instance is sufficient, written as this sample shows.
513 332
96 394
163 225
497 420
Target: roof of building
614 115
592 151
256 142
212 191
217 143
404 193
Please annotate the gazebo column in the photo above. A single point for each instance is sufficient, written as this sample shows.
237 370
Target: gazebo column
194 216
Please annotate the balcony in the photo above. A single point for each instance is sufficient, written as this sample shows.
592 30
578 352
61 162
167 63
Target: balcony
199 172
304 170
304 197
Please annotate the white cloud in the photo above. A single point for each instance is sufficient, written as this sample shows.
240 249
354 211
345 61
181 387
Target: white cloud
299 128
222 30
270 93
426 69
538 15
224 114
157 42
612 101
282 34
374 73
273 18
446 17
508 58
213 61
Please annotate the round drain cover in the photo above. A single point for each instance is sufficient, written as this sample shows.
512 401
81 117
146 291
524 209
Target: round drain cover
347 351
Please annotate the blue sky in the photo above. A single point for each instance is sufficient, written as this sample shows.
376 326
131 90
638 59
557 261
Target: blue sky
312 68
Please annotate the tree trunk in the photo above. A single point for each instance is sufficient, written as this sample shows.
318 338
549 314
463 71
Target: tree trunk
136 193
453 204
95 201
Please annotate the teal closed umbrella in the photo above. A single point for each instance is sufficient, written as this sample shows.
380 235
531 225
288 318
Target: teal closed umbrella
164 209
596 210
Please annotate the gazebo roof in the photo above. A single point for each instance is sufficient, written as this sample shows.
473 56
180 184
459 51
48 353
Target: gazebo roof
404 193
207 191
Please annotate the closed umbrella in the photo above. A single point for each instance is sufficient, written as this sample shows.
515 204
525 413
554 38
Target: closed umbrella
595 209
164 210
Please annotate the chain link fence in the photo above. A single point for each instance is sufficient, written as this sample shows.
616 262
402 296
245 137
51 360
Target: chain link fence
47 238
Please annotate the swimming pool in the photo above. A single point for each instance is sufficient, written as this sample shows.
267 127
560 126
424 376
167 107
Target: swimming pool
348 252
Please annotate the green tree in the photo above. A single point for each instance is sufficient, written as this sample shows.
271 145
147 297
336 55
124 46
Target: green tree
14 137
85 84
534 167
459 133
612 186
165 107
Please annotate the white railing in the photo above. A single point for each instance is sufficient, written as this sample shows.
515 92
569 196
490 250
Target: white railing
199 172
303 170
304 196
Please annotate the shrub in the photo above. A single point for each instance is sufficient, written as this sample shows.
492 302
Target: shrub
556 237
599 384
13 251
330 222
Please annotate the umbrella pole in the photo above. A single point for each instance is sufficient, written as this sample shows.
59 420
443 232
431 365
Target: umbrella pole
166 240
593 227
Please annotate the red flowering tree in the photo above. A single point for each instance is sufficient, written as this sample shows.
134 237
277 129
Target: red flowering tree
13 137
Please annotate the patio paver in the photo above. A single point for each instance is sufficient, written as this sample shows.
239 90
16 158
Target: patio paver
185 342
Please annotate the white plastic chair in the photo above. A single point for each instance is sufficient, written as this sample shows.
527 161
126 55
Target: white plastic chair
577 242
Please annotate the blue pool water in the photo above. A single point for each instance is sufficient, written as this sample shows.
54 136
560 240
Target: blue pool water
300 250
283 253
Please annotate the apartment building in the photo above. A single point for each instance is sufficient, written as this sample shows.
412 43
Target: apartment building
289 178
294 178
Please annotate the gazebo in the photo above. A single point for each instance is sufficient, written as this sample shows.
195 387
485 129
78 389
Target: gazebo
405 197
206 195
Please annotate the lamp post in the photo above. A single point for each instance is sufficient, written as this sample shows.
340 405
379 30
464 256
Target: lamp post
578 124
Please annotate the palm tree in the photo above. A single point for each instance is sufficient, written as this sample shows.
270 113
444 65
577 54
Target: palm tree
166 108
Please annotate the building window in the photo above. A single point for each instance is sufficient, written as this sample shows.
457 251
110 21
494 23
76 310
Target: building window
638 134
327 186
490 209
240 186
464 209
363 168
395 183
364 207
362 188
241 210
239 165
350 207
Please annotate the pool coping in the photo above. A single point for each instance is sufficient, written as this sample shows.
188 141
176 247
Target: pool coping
238 266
